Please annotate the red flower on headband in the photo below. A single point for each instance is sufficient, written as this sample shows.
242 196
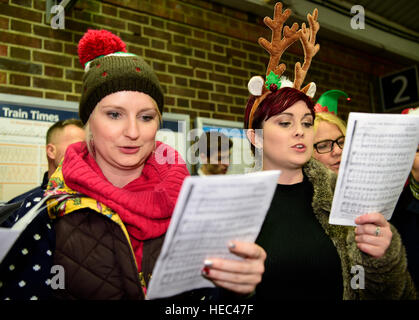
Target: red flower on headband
319 108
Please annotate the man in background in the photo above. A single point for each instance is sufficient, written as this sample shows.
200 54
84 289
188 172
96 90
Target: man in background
59 136
214 153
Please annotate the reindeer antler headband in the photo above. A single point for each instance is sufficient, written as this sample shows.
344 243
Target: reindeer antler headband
261 88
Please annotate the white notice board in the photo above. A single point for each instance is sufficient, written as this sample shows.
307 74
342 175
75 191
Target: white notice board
24 122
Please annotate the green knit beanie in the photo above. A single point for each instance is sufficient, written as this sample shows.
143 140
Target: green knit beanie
109 69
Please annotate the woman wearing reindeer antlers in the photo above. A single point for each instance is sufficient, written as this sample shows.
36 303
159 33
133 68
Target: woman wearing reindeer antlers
308 258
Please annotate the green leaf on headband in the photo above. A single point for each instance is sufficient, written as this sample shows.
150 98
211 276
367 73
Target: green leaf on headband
272 78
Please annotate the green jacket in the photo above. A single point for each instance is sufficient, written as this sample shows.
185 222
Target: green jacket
386 277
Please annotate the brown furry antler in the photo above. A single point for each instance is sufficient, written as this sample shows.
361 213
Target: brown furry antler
308 40
278 45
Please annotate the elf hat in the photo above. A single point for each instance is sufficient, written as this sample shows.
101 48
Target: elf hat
109 68
328 101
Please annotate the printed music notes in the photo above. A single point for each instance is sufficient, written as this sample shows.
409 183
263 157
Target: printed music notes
210 212
376 161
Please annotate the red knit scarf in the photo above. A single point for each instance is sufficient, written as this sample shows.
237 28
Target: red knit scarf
145 205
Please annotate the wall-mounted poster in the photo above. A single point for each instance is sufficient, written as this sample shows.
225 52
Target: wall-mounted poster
24 122
241 157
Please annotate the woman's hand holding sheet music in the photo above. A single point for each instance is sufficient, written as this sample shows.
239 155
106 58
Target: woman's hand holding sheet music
373 235
241 276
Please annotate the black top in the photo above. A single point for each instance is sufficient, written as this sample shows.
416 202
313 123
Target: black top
302 262
406 220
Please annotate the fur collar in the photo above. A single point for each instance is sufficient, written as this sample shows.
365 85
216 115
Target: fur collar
323 181
381 278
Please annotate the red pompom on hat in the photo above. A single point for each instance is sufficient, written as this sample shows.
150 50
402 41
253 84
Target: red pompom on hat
96 43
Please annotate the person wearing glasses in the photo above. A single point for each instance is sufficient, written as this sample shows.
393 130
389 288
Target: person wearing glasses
329 130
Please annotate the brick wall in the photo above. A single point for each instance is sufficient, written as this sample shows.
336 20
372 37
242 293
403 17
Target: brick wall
203 54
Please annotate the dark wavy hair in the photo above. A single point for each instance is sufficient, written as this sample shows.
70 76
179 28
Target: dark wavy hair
274 104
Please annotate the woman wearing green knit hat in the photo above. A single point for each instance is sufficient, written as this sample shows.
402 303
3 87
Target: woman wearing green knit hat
329 130
121 191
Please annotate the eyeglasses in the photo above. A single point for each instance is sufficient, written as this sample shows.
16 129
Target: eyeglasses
326 146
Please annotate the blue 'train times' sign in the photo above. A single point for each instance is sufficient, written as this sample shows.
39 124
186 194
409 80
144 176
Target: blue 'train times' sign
34 113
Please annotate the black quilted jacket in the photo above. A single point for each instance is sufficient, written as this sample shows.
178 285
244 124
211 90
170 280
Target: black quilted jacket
97 258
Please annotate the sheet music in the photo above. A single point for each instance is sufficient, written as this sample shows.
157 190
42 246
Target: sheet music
377 158
210 212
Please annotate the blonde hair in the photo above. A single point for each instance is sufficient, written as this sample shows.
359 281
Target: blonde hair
89 139
331 118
